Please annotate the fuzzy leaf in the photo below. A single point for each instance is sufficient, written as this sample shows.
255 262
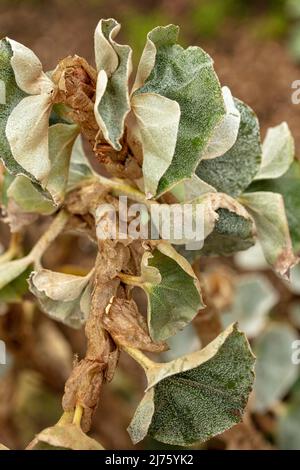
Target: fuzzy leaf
114 65
288 186
25 116
197 396
288 432
64 297
232 172
157 122
168 312
268 212
187 77
278 152
275 372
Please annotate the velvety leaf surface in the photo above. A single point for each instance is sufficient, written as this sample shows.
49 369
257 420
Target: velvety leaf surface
232 172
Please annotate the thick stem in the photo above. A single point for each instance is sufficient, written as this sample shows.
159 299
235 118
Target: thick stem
14 249
139 357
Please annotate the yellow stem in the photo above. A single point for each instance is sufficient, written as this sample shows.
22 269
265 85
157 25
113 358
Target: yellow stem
78 415
139 357
130 280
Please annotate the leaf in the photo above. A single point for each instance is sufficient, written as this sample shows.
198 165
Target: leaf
232 232
278 152
254 298
2 447
157 121
252 259
232 172
64 297
80 168
275 372
288 187
190 189
226 133
288 432
114 65
187 77
61 141
12 269
67 436
168 312
16 289
25 116
294 284
28 197
197 396
268 212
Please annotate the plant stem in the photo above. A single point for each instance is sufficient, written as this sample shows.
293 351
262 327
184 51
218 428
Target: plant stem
139 357
130 280
48 237
78 415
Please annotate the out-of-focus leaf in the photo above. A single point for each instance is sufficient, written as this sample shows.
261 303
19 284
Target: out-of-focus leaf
232 172
62 296
114 66
197 396
187 77
268 212
254 298
288 432
28 197
294 284
288 186
251 259
80 169
275 371
278 152
14 291
13 269
167 311
2 447
61 141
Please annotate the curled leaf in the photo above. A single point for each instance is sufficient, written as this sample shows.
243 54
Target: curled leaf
114 66
66 436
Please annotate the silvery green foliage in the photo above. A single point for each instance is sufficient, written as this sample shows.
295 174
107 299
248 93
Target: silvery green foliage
198 144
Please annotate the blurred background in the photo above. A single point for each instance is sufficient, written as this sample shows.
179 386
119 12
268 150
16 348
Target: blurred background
256 49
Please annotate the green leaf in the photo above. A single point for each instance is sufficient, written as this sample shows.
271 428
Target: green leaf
25 116
288 432
268 212
278 152
114 65
197 396
12 269
275 371
16 289
288 186
233 232
254 297
61 141
64 297
187 77
28 197
232 172
79 169
170 273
